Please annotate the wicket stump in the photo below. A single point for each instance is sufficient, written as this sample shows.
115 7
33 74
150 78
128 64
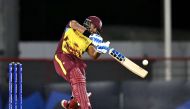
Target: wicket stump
15 85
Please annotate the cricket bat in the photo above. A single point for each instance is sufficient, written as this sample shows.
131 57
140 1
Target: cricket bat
134 68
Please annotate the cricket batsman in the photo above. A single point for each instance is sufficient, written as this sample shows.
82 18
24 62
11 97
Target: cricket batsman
76 40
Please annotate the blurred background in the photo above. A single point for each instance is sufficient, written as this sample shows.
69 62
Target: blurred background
141 29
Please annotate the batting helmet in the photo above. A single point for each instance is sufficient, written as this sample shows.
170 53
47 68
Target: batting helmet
94 20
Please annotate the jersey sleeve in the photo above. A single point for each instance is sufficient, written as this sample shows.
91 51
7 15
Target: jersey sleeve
88 43
67 27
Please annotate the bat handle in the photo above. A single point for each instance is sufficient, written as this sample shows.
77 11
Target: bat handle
110 49
116 54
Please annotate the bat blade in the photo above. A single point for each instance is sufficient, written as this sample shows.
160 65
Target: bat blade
133 67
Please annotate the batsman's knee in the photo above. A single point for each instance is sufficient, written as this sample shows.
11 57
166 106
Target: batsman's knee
76 76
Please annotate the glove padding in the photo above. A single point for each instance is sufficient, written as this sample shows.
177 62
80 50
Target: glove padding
96 39
103 47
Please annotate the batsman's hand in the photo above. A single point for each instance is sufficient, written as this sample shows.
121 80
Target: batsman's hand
103 47
96 39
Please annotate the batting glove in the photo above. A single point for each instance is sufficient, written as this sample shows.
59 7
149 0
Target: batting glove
103 47
96 39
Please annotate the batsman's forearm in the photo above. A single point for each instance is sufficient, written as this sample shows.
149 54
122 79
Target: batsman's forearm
96 55
92 52
75 25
